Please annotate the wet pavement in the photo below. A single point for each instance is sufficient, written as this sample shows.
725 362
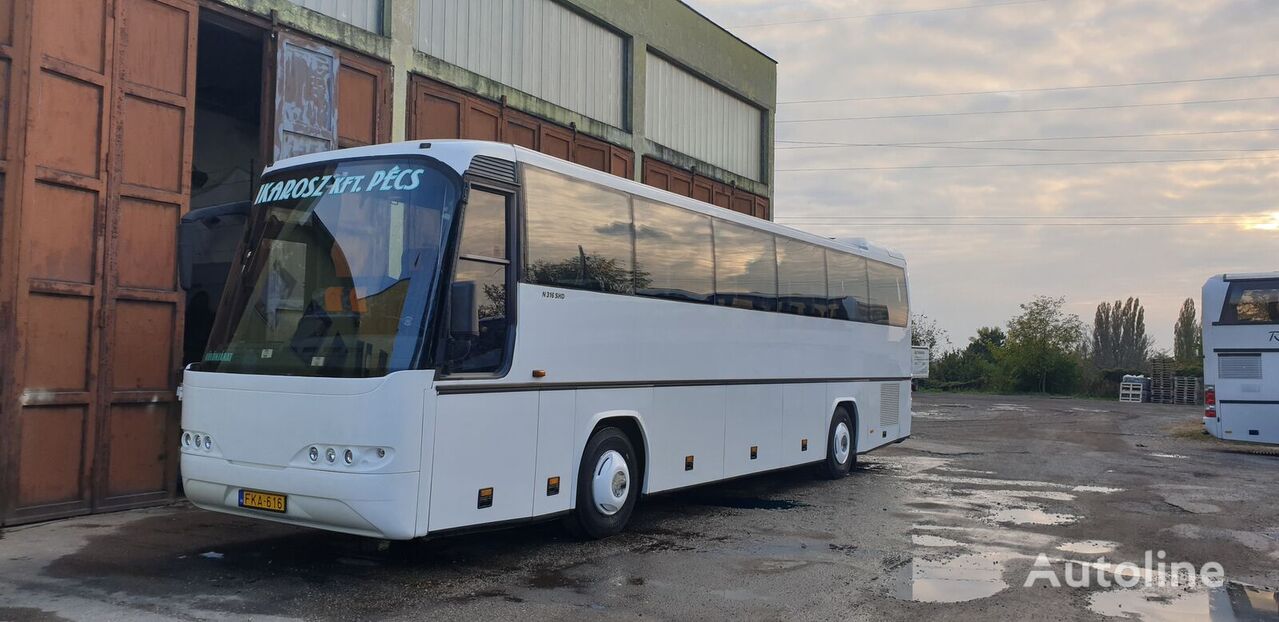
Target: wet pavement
990 492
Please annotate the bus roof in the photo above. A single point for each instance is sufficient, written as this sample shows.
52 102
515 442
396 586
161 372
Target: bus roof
459 153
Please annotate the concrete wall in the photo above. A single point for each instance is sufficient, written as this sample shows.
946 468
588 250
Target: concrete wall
366 14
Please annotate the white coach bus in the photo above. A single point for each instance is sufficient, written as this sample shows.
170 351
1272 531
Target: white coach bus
426 337
1241 357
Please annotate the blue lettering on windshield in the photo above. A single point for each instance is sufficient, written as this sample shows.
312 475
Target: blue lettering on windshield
382 180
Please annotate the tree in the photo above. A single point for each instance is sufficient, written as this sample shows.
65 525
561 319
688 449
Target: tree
986 344
1187 336
1042 347
1119 337
924 332
589 271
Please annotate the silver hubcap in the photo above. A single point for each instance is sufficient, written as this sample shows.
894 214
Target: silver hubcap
610 483
843 443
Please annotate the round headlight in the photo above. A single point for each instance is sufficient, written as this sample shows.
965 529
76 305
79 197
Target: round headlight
314 454
349 457
208 442
330 455
186 439
381 453
197 440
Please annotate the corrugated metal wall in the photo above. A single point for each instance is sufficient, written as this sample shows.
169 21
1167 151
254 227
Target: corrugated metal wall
536 46
366 14
689 115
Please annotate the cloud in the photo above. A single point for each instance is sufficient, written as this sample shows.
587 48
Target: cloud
970 276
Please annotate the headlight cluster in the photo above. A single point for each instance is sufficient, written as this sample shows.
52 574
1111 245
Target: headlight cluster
197 440
345 456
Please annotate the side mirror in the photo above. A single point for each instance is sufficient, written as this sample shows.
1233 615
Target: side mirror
464 310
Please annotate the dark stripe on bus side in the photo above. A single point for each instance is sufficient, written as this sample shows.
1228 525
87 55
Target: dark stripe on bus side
638 384
1244 350
1248 401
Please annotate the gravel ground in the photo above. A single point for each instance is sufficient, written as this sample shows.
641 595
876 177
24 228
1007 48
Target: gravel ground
948 525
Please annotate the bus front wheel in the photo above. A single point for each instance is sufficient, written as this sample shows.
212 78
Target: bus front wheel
841 446
607 485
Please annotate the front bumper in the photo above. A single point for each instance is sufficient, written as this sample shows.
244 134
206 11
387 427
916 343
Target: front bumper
382 505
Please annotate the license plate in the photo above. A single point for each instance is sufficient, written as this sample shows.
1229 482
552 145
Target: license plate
268 501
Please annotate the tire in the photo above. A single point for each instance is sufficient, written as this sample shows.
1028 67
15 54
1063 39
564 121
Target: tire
840 443
609 450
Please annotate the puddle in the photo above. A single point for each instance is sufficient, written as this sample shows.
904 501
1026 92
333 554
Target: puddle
1234 601
1009 408
746 503
990 537
1174 456
933 541
553 580
1031 516
954 580
1100 489
1088 547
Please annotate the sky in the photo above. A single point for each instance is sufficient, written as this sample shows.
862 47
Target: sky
988 225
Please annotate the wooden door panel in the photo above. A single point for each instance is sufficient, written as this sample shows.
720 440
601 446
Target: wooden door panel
69 136
364 101
52 462
481 122
151 159
73 31
139 429
58 341
556 142
590 152
436 117
60 233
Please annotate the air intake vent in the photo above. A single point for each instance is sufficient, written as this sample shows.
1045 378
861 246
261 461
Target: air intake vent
890 400
1239 366
496 169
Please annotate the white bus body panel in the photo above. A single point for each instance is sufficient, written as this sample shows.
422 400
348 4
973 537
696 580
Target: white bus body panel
1247 403
263 426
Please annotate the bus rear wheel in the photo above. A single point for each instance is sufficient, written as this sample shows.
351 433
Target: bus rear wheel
607 485
841 446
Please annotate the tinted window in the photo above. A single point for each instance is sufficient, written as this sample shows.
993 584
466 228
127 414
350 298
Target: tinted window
482 270
673 253
1252 302
801 278
887 294
745 268
849 290
484 232
482 352
579 234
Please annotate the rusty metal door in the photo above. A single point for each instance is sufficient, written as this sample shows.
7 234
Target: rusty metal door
306 97
152 119
99 180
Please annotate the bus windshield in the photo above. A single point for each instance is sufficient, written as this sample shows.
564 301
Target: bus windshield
339 270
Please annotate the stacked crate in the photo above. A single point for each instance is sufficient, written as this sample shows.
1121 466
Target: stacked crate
1187 390
1134 389
1161 381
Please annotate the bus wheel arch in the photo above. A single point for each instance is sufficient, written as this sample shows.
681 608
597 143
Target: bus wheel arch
606 499
634 430
841 441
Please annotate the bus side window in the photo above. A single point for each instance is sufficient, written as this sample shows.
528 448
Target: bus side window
482 262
